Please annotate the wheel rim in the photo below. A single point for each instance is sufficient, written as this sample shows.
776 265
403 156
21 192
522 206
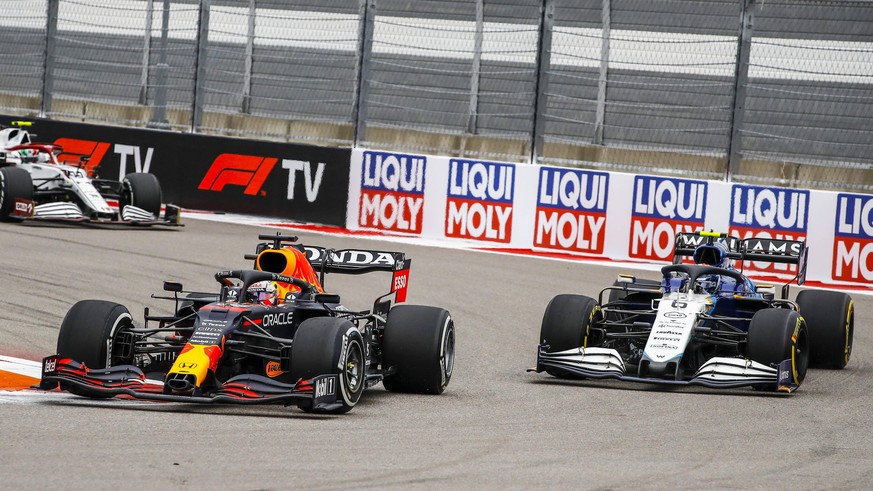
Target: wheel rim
449 351
850 333
2 185
354 368
800 356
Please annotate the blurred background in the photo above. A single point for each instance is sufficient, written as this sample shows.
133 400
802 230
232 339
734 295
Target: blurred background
771 92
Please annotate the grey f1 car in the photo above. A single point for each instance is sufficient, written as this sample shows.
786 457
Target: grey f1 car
701 324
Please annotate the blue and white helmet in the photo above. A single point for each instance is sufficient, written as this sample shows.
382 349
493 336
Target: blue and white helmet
715 254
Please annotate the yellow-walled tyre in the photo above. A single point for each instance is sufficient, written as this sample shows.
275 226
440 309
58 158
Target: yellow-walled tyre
830 318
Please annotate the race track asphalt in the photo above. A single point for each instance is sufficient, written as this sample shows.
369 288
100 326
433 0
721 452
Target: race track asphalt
496 426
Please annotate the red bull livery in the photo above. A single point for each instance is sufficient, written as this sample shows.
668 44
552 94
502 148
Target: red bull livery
270 335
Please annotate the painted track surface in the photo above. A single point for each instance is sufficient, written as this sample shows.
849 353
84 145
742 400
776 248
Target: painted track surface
495 427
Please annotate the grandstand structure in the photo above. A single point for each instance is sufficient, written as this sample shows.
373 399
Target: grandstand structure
768 92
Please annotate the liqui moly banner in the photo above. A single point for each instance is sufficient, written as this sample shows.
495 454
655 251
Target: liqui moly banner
853 239
392 192
661 208
772 213
571 210
479 200
594 214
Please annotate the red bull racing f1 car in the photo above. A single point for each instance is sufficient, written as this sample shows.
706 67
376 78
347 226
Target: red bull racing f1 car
270 335
703 324
35 185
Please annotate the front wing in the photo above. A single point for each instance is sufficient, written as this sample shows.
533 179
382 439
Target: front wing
130 381
719 372
69 212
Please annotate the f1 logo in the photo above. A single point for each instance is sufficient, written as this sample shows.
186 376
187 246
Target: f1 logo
238 170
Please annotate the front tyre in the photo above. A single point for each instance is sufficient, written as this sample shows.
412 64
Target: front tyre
142 190
15 183
567 321
88 333
830 318
776 335
567 324
330 346
419 344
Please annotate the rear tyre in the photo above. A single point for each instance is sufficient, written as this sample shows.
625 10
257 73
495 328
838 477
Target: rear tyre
318 350
143 191
15 182
830 318
776 335
87 332
419 344
566 325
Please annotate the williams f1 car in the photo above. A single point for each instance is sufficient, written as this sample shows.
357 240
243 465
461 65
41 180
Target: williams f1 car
270 335
35 185
703 324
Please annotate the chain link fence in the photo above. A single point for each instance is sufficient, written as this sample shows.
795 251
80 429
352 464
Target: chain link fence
765 91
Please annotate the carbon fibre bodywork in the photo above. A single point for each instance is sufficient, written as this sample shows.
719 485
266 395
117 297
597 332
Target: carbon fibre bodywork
231 348
698 325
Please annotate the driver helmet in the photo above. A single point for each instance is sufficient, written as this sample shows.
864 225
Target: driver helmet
709 284
715 254
263 292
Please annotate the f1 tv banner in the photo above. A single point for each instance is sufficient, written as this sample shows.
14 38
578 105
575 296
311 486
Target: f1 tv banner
661 208
298 182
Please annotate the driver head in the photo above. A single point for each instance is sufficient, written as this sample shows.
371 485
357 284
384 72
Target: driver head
715 254
263 292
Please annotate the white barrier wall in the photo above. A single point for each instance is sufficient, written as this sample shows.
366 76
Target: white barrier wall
605 215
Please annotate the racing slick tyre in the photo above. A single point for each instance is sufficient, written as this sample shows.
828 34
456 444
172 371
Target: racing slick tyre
419 344
830 318
776 335
14 183
566 325
87 332
143 191
321 345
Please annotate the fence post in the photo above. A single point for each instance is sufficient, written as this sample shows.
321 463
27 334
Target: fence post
600 115
48 78
472 120
146 54
547 24
250 50
200 64
741 79
367 16
159 113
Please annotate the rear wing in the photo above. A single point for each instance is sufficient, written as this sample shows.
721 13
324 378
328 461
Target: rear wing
346 261
687 242
752 249
360 261
778 251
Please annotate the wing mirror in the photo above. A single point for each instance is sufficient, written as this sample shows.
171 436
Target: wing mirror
172 286
626 278
762 288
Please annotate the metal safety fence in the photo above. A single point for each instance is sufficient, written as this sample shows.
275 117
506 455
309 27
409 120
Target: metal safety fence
773 92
